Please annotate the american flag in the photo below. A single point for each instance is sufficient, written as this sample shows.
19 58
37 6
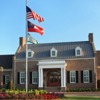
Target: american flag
32 14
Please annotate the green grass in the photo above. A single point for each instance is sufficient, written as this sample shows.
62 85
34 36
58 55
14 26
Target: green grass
80 98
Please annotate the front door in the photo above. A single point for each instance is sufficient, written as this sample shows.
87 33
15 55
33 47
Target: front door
53 78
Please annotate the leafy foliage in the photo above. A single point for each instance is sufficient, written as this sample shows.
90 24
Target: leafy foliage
32 94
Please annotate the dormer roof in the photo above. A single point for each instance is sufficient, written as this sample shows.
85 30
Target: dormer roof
65 50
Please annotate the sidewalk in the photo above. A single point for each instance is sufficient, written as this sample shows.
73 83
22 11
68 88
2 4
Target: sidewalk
96 93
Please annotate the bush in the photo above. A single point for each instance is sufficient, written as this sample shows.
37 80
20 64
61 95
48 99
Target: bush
32 95
42 91
81 90
36 92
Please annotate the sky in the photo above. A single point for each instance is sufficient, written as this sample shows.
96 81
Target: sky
64 21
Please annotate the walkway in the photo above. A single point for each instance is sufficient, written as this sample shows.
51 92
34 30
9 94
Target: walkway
96 93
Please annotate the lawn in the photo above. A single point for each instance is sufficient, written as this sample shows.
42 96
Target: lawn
80 98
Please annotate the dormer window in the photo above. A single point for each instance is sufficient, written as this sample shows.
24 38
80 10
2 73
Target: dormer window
78 51
30 53
53 52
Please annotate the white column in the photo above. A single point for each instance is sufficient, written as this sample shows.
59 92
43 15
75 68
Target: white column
41 77
39 85
62 77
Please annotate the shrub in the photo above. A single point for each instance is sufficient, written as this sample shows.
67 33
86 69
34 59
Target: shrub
42 91
36 92
31 91
81 89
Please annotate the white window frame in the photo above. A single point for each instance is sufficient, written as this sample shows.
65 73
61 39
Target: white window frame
6 78
76 51
30 51
86 75
34 77
51 52
72 75
22 77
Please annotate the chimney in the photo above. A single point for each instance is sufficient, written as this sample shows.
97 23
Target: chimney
22 41
90 37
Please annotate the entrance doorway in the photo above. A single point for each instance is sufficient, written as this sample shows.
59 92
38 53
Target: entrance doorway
54 78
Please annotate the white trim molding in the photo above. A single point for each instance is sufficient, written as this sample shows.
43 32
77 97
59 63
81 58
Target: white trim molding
78 51
53 52
52 64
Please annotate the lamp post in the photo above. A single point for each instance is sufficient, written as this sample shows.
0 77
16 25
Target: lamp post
1 74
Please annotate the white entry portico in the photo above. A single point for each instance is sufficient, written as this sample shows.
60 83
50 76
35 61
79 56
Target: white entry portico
51 65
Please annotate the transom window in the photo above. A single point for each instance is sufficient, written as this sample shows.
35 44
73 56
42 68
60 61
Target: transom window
34 77
72 76
22 77
86 76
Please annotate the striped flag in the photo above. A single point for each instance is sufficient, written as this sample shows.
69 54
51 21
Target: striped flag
32 14
30 39
34 28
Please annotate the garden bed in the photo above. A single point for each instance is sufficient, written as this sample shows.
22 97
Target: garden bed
32 95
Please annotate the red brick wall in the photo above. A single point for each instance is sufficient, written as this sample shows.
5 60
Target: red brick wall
32 66
98 64
78 65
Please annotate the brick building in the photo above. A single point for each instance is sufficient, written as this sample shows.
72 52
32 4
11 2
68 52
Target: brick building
54 66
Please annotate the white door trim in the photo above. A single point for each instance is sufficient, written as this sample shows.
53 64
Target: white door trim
52 64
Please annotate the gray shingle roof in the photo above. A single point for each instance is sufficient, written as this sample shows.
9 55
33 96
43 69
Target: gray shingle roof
65 50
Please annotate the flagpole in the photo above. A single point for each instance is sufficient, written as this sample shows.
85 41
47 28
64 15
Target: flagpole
26 55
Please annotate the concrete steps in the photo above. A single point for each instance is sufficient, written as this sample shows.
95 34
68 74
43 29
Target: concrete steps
53 89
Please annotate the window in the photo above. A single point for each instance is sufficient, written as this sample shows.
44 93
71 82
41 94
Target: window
53 52
34 77
7 78
78 51
86 76
22 77
30 53
72 76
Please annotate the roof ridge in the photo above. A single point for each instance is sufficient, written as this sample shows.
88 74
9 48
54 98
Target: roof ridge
60 42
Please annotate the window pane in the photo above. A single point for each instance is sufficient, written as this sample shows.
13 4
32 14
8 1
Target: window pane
22 77
53 53
22 80
7 79
23 74
86 76
72 76
29 54
34 77
78 52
